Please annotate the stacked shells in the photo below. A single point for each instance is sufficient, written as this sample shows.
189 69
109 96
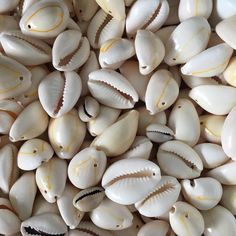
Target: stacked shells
117 117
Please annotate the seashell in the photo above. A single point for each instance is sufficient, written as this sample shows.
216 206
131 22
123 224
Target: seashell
114 52
212 155
159 133
51 179
88 199
22 195
219 220
185 162
118 137
112 89
162 91
37 122
87 167
55 17
149 49
230 72
24 5
66 134
228 198
69 213
27 50
44 224
184 41
72 25
161 198
33 153
111 216
8 23
184 122
203 193
210 62
186 220
103 27
15 78
165 32
58 92
70 50
149 16
7 6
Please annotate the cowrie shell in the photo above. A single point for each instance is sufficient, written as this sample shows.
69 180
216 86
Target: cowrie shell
24 5
129 180
7 6
161 198
55 17
230 72
8 23
112 89
228 198
70 50
59 92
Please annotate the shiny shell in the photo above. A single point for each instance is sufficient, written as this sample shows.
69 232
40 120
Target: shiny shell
230 72
228 198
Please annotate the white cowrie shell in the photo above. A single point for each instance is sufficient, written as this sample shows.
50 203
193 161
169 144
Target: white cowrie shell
87 167
184 41
24 5
161 198
112 216
129 180
210 62
203 193
114 52
22 195
230 72
186 220
7 6
162 91
37 122
149 49
149 16
59 92
70 50
112 89
55 17
51 179
228 198
219 221
184 122
179 160
103 27
118 137
8 23
33 153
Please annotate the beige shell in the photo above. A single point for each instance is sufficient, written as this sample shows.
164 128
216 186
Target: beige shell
228 198
230 72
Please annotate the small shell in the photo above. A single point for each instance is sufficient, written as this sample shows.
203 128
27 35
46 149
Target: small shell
149 49
55 17
8 23
128 181
88 199
51 179
228 198
7 6
162 91
230 72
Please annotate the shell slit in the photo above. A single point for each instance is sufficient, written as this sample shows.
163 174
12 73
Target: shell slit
31 231
159 132
87 194
85 111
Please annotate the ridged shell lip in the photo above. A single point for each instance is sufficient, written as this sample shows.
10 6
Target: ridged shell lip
30 230
93 192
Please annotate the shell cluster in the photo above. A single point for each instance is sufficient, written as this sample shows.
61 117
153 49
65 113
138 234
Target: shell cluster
117 117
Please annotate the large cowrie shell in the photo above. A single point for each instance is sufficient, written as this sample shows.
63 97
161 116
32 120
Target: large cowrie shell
103 27
59 92
37 122
187 40
149 49
230 72
179 160
27 50
51 179
203 193
45 19
7 6
149 16
15 78
161 198
184 122
210 62
88 199
186 220
33 153
111 216
87 167
8 23
129 180
22 195
114 52
162 91
118 137
112 89
44 224
70 50
228 198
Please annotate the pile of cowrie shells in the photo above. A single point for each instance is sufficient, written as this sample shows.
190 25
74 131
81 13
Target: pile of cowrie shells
118 117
